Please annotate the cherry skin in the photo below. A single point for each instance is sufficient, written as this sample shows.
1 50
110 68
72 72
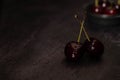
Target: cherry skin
118 8
100 8
110 11
97 10
104 4
73 51
94 48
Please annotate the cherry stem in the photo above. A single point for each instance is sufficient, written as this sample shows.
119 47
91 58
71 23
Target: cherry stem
86 34
111 4
96 3
82 28
118 2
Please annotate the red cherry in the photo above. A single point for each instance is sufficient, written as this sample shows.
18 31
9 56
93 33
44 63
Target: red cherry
97 10
94 47
100 9
117 7
110 11
104 4
73 51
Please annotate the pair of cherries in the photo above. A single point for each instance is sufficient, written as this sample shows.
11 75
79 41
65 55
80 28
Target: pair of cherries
74 50
106 7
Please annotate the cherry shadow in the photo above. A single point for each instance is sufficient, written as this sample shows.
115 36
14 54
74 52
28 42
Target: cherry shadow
85 61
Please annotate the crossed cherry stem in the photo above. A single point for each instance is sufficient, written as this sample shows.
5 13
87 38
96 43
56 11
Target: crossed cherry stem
81 29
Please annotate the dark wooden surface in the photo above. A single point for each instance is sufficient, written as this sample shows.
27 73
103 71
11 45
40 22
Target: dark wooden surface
33 35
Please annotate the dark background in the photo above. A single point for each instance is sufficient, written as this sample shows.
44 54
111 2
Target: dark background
33 34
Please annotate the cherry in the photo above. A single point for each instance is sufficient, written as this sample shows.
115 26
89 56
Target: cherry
73 51
110 11
117 7
104 3
97 9
94 47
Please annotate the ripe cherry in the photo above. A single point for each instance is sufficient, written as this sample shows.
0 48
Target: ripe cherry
73 51
110 11
94 47
104 3
117 7
97 9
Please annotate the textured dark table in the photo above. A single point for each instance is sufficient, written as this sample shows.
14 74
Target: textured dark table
33 35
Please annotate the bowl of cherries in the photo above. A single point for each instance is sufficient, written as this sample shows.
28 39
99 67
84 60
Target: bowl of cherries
75 50
103 12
